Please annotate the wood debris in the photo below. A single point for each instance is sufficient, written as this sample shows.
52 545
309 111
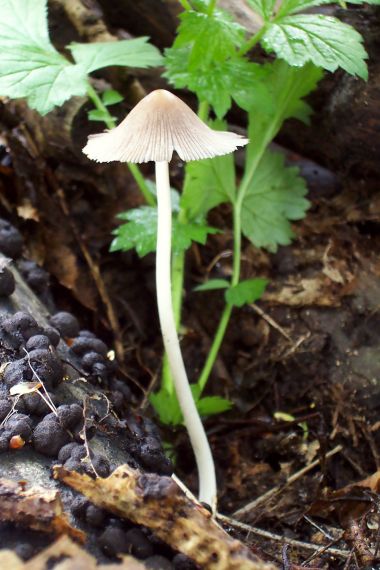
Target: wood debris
64 555
35 508
158 503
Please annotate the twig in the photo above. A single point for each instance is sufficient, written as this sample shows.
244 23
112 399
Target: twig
46 398
247 509
84 436
272 322
283 539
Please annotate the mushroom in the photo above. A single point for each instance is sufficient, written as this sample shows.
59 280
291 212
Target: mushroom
159 124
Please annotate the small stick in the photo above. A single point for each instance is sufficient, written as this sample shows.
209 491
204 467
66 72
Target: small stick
284 539
272 322
247 509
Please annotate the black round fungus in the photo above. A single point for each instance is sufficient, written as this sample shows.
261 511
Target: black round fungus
138 544
66 324
113 541
33 404
7 283
183 562
91 358
37 341
47 365
5 408
53 335
81 345
49 436
65 451
70 415
24 550
158 563
18 328
100 464
17 372
19 424
36 277
79 506
87 334
95 516
10 240
5 436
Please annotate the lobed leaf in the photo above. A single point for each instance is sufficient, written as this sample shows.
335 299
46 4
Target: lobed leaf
129 53
140 233
275 196
30 66
322 40
245 292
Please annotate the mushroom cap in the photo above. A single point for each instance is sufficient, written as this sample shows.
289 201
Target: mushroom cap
159 124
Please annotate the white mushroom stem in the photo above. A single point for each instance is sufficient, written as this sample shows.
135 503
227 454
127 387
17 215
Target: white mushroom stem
193 423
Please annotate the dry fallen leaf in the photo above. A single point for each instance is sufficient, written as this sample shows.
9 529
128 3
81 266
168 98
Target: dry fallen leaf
36 508
27 211
158 503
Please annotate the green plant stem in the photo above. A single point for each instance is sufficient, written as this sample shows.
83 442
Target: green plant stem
133 168
185 4
236 267
211 7
254 40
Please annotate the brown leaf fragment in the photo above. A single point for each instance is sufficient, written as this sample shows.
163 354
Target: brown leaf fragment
27 211
35 508
64 555
158 503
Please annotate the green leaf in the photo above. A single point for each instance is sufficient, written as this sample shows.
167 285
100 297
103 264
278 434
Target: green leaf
111 97
294 6
246 292
30 66
127 53
213 284
174 195
211 405
280 97
140 233
204 57
208 183
211 37
98 115
275 196
217 83
263 7
322 40
167 407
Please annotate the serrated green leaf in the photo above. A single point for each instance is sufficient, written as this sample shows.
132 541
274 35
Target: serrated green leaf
208 183
275 196
211 37
98 115
204 57
322 40
30 66
174 195
217 83
279 98
263 7
211 405
140 233
293 6
212 284
111 97
246 292
167 407
129 53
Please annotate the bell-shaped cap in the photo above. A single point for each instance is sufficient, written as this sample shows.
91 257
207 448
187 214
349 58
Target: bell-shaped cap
159 124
